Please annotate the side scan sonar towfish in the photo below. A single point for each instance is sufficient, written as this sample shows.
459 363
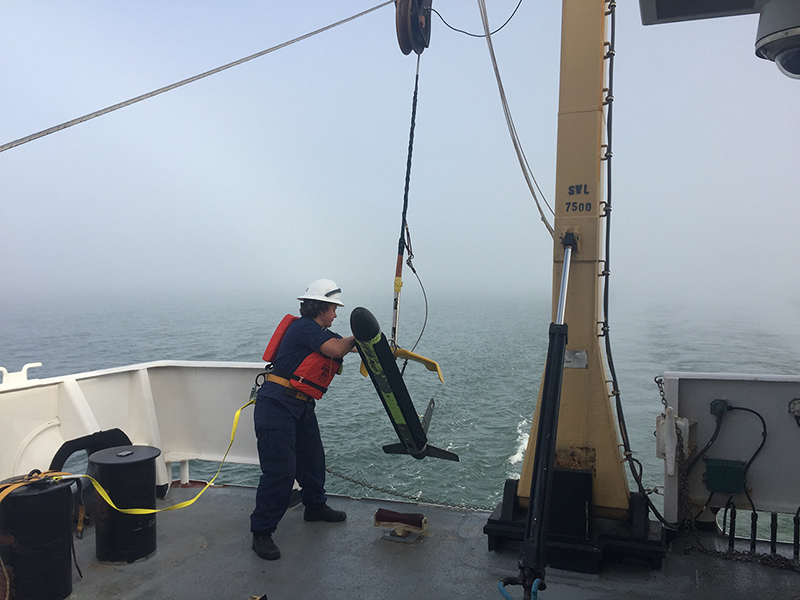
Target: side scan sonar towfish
382 368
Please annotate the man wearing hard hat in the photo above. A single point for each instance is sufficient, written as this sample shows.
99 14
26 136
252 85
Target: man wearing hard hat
304 356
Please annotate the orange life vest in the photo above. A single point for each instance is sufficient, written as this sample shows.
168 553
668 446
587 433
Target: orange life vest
314 374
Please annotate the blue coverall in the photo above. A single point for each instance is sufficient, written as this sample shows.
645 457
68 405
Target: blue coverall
289 443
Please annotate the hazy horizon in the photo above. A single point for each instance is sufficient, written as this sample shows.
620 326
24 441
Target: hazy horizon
291 167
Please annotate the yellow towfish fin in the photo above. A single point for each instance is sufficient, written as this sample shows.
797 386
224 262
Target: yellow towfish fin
431 365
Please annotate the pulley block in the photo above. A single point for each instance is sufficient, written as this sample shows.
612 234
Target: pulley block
413 20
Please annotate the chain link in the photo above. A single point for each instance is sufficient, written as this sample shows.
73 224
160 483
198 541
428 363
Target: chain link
660 383
407 496
686 517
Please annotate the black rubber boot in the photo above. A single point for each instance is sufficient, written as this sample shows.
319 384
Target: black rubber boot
265 547
324 513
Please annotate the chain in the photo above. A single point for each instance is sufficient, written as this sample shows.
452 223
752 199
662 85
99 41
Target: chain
777 561
407 496
686 517
660 383
685 504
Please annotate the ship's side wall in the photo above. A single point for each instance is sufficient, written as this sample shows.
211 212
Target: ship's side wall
186 409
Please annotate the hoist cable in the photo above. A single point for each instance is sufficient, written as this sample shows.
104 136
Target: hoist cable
527 173
404 243
169 88
404 224
478 35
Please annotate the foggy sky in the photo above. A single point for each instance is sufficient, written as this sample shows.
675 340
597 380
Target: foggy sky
291 167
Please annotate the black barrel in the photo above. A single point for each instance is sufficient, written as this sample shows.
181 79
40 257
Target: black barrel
128 474
35 540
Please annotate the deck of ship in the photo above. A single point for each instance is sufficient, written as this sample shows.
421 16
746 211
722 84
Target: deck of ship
203 551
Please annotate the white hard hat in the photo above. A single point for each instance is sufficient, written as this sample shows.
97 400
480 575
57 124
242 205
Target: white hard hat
323 290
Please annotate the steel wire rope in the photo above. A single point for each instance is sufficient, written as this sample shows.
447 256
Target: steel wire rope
404 242
183 82
404 223
523 161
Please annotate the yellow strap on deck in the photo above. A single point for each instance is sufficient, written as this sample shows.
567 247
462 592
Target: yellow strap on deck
7 488
148 511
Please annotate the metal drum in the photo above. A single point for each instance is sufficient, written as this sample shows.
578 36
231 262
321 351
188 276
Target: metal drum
35 540
128 474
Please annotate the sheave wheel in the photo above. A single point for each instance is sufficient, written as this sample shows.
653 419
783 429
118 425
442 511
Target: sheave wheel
413 21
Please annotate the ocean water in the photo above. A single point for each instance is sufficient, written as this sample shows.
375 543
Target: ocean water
492 354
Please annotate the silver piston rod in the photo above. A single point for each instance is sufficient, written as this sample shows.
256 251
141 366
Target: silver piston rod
569 242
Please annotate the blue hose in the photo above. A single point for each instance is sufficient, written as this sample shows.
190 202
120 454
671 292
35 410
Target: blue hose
534 589
503 591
